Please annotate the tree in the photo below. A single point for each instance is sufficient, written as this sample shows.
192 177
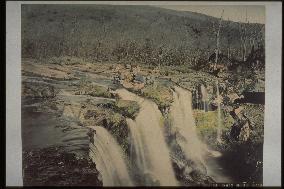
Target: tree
244 38
217 33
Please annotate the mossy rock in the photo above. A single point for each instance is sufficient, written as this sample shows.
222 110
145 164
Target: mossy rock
127 108
113 121
87 88
160 94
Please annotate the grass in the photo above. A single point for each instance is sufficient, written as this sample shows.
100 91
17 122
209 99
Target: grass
160 94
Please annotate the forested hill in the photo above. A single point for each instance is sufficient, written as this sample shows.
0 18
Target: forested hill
134 33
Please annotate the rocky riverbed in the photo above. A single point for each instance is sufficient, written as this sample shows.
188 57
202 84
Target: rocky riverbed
60 101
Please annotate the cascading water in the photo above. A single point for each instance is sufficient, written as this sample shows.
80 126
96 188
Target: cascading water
109 159
219 114
151 153
204 96
183 123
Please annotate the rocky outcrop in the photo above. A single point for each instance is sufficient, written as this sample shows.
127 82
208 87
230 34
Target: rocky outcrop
52 167
87 88
189 173
38 90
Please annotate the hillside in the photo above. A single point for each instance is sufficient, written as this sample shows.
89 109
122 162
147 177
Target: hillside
108 90
135 33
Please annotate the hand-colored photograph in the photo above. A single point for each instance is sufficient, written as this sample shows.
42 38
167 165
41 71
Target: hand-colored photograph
142 95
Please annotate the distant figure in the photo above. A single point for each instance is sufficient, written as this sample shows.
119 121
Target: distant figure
240 130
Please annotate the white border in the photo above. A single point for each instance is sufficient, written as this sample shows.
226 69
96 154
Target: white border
272 121
13 95
272 133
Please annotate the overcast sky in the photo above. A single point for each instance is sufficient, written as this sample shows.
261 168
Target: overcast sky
237 13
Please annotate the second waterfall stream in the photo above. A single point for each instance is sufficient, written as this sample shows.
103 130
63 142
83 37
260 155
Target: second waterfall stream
183 123
151 154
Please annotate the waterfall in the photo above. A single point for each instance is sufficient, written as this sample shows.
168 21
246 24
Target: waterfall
109 159
151 153
204 96
183 123
219 114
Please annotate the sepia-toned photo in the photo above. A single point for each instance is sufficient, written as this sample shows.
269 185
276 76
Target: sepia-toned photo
142 95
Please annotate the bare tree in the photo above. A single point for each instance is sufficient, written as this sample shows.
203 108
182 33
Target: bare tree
229 42
244 38
217 33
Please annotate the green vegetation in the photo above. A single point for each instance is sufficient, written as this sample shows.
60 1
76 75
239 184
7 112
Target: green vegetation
87 88
207 124
160 94
245 157
114 122
96 90
93 32
127 108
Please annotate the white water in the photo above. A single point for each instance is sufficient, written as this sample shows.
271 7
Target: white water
109 159
219 114
204 96
151 152
183 123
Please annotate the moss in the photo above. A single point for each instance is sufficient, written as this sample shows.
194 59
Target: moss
87 88
207 125
127 108
117 126
96 90
113 121
160 94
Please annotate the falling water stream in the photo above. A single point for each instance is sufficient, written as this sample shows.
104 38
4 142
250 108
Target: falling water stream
151 153
219 114
194 149
204 96
183 122
109 159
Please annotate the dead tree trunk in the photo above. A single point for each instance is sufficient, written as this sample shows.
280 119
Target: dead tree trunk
218 41
244 39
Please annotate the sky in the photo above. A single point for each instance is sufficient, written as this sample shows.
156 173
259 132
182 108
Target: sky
237 13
